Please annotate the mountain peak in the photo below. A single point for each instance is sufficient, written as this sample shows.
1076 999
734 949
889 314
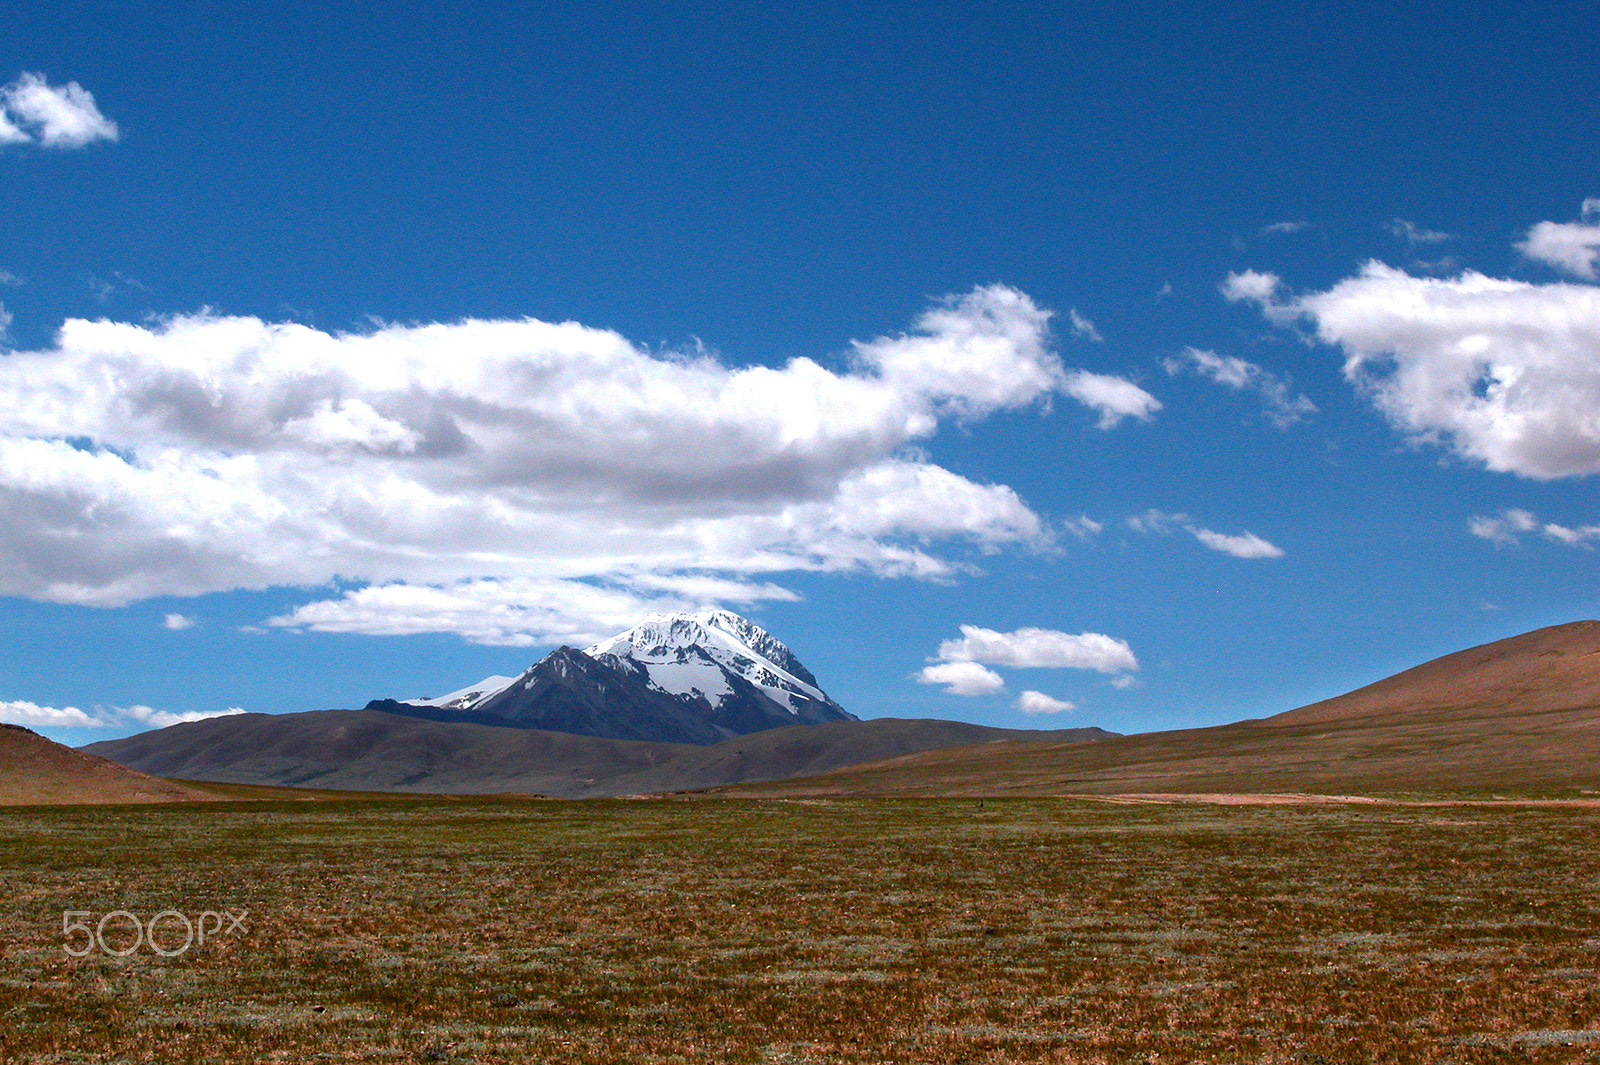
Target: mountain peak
693 677
714 640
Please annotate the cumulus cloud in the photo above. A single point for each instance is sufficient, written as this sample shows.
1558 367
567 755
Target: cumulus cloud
962 664
34 112
1040 648
520 612
1502 372
1282 404
177 622
32 715
1260 288
520 471
1570 247
1032 702
1283 228
1115 398
962 678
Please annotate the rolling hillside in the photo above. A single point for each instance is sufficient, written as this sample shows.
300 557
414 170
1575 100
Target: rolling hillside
1518 715
371 750
34 770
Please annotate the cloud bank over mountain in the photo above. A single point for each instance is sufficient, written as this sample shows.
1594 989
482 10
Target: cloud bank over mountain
514 481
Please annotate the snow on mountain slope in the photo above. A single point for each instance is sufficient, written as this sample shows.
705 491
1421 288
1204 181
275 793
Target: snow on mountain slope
678 678
469 697
687 654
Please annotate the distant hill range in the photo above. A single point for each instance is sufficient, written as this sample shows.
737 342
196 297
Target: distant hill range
680 701
675 678
1518 715
380 751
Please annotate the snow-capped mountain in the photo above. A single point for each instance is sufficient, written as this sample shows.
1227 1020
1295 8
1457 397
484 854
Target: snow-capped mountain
689 654
688 678
470 696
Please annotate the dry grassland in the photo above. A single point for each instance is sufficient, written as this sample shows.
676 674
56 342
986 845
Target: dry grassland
767 931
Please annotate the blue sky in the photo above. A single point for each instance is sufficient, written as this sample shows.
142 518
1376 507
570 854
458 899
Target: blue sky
276 373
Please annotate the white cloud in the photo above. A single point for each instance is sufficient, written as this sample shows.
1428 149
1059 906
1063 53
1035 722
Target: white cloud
1082 327
35 112
1503 372
1245 545
1115 398
962 678
480 463
519 612
177 622
1040 648
1283 228
1260 288
10 133
5 322
1032 702
1250 285
1083 527
1156 521
1504 528
1414 234
962 664
1572 537
1571 247
1283 405
1507 528
144 715
17 712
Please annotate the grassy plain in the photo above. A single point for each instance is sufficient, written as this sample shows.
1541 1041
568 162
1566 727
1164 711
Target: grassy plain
769 931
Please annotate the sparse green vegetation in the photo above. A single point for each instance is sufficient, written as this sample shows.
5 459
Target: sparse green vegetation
769 931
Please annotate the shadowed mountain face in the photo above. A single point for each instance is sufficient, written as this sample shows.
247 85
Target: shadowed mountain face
1521 714
373 750
676 678
36 770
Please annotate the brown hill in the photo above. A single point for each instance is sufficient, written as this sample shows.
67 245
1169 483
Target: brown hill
34 770
1518 715
1555 668
377 751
